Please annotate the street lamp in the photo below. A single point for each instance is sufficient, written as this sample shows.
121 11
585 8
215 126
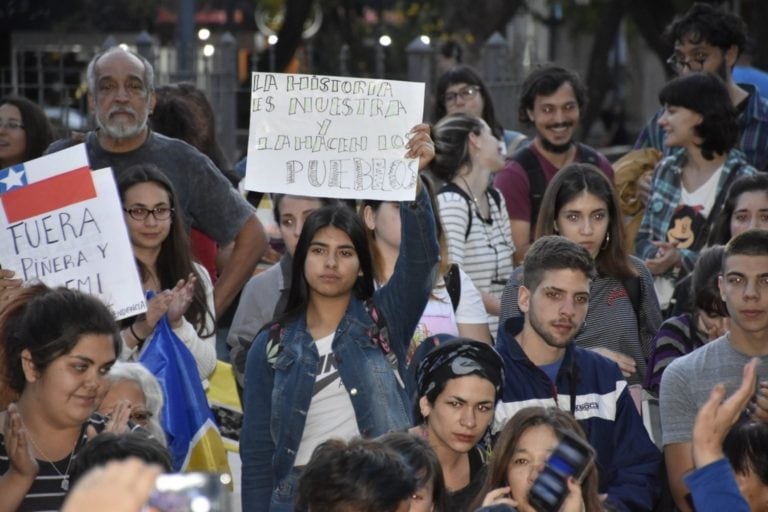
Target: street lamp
384 41
203 34
272 41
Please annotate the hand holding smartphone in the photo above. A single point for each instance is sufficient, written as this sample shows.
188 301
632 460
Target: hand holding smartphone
183 492
572 458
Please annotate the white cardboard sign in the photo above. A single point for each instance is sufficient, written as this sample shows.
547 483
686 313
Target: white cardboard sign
62 224
326 136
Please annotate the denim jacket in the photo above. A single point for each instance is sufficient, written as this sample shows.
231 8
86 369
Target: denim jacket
277 398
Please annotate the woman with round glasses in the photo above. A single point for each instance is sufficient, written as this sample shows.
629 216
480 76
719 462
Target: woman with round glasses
461 90
182 287
25 132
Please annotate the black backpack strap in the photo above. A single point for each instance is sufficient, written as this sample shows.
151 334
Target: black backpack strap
452 280
588 155
379 335
536 183
495 195
452 187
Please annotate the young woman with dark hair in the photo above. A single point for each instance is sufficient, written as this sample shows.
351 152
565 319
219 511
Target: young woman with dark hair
462 90
746 207
706 319
689 186
421 458
474 214
522 448
581 204
265 295
161 246
457 386
59 344
25 131
332 364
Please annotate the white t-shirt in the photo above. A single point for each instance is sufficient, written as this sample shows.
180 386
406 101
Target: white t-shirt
688 223
704 196
330 413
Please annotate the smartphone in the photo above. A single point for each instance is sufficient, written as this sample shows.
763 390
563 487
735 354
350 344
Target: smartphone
196 492
572 457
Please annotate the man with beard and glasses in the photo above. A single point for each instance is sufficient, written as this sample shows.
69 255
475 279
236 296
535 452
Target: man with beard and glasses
551 101
708 39
121 97
543 367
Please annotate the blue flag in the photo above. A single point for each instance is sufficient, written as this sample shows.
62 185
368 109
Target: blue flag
193 437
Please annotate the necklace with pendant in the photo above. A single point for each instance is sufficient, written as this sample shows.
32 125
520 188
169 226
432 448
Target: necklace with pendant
64 476
473 196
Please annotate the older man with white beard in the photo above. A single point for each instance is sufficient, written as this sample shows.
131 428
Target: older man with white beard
121 97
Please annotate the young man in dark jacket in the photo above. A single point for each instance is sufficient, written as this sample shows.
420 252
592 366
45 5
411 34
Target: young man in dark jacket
542 367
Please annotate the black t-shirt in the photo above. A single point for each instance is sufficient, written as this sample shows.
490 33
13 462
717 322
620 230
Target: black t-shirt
458 501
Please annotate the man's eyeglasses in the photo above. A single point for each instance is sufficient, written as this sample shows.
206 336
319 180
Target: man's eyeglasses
141 213
466 93
678 62
11 124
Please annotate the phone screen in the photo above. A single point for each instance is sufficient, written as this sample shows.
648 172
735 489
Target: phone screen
572 457
196 492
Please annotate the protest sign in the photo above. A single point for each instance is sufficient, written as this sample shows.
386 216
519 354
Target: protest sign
62 224
332 136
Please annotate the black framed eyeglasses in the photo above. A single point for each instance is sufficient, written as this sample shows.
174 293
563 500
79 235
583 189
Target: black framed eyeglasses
141 213
678 62
466 93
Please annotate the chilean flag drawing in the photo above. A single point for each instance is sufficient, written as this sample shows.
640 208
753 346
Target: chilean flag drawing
46 184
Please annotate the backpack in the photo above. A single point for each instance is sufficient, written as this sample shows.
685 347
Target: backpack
536 184
452 187
379 335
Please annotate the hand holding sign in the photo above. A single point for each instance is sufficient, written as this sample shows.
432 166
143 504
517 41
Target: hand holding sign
421 145
8 284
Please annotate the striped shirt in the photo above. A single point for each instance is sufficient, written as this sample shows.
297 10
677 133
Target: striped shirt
486 252
677 337
753 130
46 493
